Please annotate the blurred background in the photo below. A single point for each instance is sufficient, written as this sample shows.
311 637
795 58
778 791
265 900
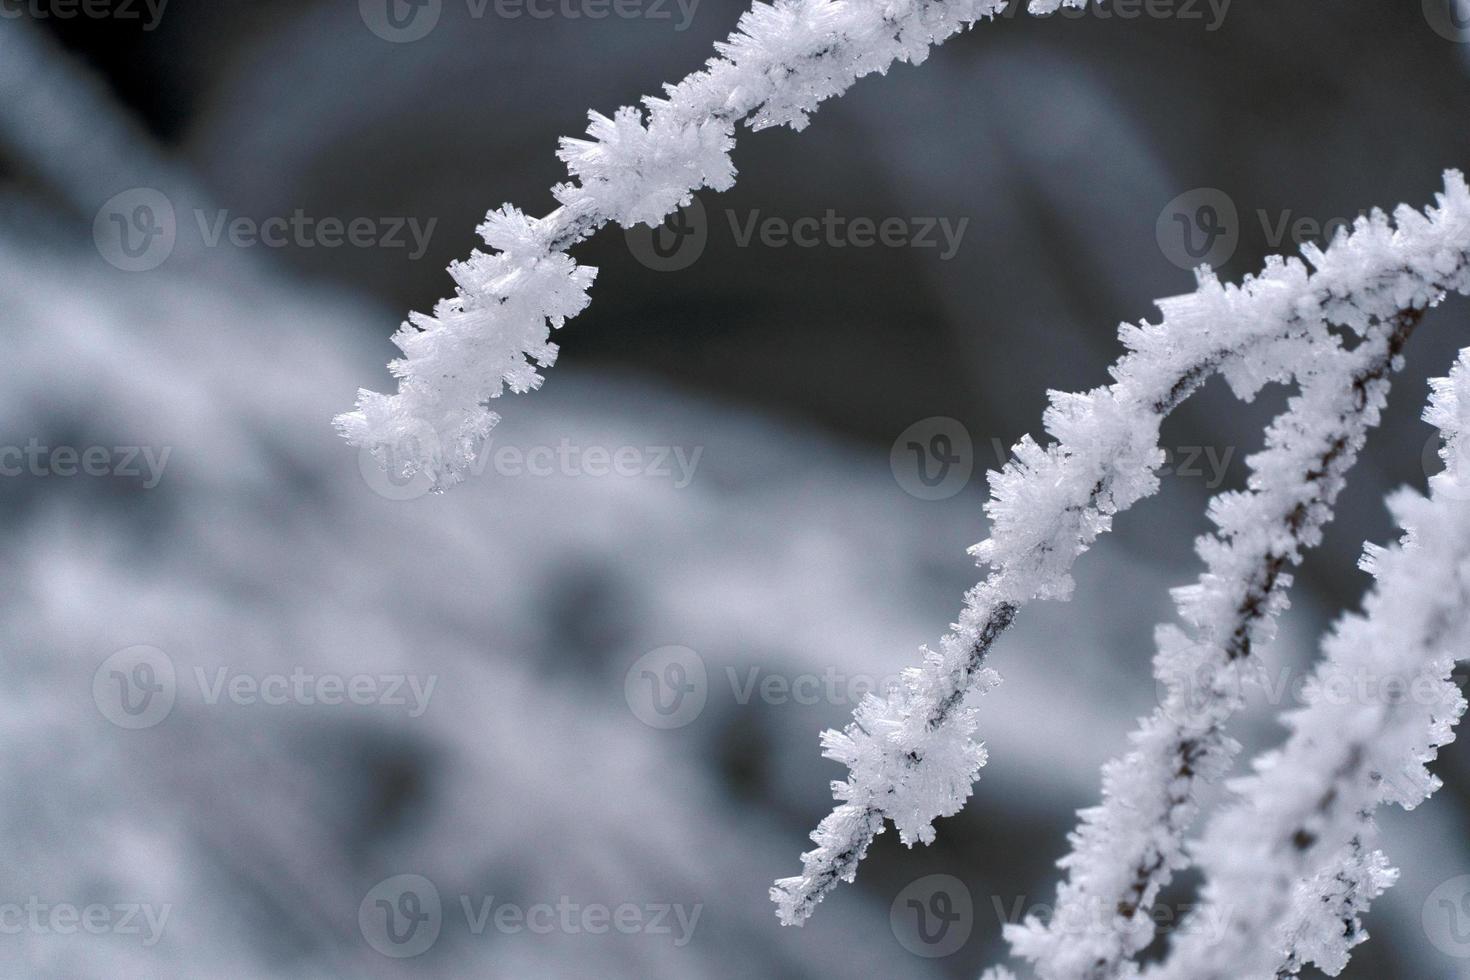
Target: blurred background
267 714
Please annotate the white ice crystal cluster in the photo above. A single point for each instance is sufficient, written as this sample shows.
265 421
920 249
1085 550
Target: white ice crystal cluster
1127 849
637 167
912 755
1291 865
1332 323
491 335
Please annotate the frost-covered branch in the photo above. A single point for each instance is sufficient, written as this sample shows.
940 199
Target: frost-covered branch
1326 922
912 755
636 168
1291 865
1128 848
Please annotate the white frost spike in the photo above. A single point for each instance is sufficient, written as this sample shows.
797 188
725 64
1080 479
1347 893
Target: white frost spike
1292 861
634 168
637 174
912 755
1128 848
491 336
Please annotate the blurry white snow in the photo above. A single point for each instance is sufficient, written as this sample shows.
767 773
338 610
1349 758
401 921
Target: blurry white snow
264 548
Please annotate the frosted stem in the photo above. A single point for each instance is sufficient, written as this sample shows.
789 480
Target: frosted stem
912 755
1127 849
1291 863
